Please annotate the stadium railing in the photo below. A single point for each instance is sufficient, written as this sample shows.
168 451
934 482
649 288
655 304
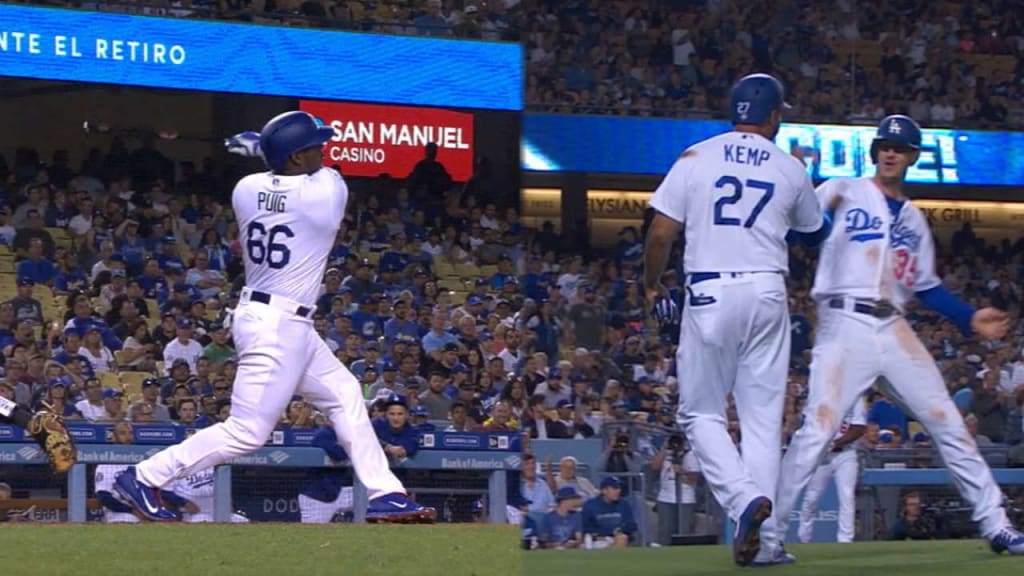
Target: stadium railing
475 455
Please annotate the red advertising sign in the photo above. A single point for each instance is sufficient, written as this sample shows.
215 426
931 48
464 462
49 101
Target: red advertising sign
370 139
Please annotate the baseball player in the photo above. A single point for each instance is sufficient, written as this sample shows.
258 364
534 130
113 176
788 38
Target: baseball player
46 428
736 197
878 258
289 217
196 492
840 462
114 511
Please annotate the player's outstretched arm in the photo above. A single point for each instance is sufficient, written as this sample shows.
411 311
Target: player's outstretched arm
657 247
813 239
989 323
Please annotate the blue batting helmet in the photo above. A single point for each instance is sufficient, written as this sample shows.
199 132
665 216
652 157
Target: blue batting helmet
289 133
897 129
755 97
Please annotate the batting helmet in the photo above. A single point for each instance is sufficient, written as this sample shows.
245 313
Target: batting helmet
288 133
755 97
896 129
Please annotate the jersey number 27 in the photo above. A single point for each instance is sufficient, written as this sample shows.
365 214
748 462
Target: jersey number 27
767 189
263 245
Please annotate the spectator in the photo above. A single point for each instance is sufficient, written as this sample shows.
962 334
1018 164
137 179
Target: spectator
183 347
500 420
434 399
113 405
208 282
990 408
35 266
92 406
562 528
100 358
149 405
678 472
26 307
912 523
7 231
398 437
971 421
534 489
607 518
23 243
567 477
553 390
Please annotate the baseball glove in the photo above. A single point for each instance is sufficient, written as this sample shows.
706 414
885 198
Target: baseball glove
53 437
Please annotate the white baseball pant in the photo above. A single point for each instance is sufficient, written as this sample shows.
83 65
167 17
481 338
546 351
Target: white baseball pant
735 339
851 351
279 354
845 468
314 511
203 517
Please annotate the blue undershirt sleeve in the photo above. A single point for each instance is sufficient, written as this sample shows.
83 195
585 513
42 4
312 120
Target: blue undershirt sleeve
812 239
952 307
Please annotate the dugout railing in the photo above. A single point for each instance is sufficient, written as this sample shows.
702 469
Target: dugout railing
493 465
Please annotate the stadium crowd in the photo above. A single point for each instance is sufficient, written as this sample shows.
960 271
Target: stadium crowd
944 63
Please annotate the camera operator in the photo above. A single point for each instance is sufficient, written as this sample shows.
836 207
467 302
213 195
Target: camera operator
677 498
915 523
619 458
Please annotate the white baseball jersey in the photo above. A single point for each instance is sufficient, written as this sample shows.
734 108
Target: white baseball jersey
288 225
738 195
873 254
198 489
104 477
857 416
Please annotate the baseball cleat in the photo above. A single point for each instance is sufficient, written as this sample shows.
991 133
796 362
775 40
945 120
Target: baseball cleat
1008 539
747 542
145 500
397 508
778 557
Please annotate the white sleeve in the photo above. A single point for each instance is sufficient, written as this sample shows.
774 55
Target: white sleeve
339 196
859 413
924 276
806 213
670 197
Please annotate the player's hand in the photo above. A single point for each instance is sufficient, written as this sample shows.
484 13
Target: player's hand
245 144
990 323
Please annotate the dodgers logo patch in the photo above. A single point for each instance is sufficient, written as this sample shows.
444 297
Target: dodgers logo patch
862 226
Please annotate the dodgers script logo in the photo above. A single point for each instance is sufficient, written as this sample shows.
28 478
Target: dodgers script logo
863 225
904 235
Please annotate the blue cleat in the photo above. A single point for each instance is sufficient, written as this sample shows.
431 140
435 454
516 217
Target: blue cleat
1008 539
779 557
397 508
747 542
145 500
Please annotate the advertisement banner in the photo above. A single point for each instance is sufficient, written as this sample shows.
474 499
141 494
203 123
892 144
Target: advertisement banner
624 145
370 139
108 48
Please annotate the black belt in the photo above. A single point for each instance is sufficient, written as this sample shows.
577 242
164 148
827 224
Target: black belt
881 309
264 298
702 276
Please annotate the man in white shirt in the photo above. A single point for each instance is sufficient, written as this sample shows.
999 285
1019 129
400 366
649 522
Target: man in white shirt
182 348
92 406
677 499
511 355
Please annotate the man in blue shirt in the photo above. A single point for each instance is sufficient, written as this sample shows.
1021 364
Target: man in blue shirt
535 489
36 267
400 324
563 527
608 518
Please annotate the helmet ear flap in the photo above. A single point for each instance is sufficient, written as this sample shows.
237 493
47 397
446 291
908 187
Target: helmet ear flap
874 152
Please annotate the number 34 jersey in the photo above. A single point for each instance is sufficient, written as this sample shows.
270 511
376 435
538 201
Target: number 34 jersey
288 225
879 249
737 196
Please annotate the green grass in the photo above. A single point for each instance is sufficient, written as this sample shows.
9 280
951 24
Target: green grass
935 558
258 549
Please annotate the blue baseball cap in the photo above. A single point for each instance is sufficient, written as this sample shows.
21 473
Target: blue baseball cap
396 398
180 287
474 301
620 404
611 482
112 393
420 411
61 381
555 373
184 323
568 493
564 403
390 367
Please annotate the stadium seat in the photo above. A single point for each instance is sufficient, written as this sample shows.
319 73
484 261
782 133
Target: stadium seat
110 380
131 381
